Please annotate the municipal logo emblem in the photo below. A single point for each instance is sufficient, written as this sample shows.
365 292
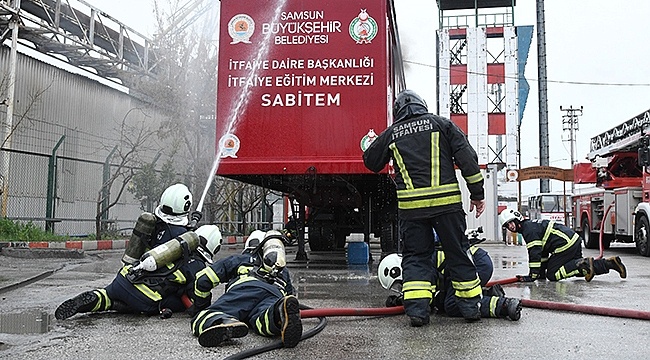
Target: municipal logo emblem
368 139
240 28
363 28
229 145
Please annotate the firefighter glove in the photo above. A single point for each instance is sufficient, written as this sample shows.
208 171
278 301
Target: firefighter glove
525 278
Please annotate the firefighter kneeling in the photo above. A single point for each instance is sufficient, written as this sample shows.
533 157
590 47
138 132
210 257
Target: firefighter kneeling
493 302
258 294
555 251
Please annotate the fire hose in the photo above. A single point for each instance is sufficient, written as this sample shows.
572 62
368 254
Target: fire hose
323 313
602 232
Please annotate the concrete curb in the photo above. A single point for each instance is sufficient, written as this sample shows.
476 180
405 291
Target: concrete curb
92 244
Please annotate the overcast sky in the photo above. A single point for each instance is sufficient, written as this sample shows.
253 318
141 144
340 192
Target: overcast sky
596 51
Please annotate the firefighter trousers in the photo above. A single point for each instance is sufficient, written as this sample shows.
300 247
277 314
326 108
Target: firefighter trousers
418 266
564 264
251 302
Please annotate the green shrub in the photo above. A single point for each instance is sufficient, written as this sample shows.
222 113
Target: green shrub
15 231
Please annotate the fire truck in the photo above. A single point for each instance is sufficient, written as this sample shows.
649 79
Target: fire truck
618 207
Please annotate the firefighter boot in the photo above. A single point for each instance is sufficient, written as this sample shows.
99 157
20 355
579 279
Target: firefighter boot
290 323
615 263
586 268
510 309
225 330
81 303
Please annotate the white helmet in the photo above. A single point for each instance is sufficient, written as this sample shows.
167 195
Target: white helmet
509 215
389 272
254 239
212 237
175 203
273 255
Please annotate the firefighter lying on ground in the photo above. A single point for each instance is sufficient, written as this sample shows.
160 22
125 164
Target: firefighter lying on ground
170 219
159 291
555 251
258 294
494 304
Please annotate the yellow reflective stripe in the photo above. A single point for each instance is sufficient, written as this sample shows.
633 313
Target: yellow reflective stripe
473 249
209 272
433 288
402 168
569 243
544 259
153 295
102 294
466 285
493 306
418 294
416 285
562 274
244 270
547 233
432 190
474 178
209 314
530 244
417 290
440 258
179 277
534 264
467 289
243 279
435 158
418 204
468 294
263 327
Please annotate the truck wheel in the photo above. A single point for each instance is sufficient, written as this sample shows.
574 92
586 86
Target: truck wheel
321 238
641 234
389 238
589 240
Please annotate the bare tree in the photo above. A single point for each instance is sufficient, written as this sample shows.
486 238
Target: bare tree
23 116
132 139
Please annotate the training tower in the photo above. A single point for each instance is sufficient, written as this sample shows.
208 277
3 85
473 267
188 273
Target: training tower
480 84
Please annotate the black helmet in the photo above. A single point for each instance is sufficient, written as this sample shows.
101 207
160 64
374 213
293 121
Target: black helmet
408 103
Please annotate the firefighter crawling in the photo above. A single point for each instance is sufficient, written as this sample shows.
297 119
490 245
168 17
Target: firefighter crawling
158 291
170 219
555 251
258 294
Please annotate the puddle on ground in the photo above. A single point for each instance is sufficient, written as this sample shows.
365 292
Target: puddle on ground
26 322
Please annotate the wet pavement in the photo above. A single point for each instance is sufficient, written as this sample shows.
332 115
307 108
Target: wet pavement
30 290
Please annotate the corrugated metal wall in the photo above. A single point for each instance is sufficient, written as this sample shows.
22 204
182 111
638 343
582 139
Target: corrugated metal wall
89 114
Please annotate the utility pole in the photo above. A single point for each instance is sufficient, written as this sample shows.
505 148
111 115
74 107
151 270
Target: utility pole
570 123
542 91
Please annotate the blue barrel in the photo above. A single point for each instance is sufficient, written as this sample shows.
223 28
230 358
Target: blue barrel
358 253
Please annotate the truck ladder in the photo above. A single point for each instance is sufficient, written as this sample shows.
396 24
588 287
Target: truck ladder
623 137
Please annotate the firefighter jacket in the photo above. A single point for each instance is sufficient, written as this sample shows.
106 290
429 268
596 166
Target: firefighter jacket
175 279
235 270
543 239
425 148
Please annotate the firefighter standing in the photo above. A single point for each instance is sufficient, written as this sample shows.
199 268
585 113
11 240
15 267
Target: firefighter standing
425 148
258 294
555 250
149 293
